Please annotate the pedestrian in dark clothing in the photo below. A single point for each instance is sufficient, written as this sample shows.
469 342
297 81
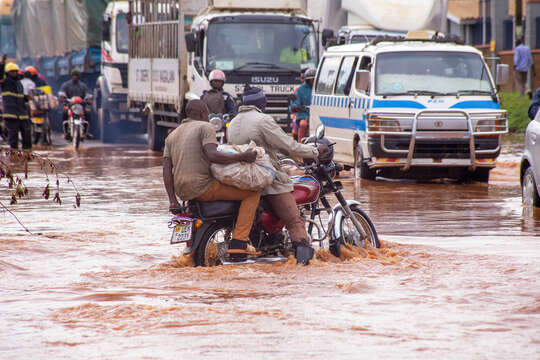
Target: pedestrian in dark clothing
15 106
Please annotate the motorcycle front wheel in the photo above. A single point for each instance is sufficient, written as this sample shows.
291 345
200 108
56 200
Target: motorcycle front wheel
350 235
76 136
213 247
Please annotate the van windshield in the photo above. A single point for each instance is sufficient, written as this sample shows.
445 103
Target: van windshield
259 46
431 73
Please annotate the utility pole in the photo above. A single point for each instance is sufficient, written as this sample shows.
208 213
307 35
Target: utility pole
484 25
518 19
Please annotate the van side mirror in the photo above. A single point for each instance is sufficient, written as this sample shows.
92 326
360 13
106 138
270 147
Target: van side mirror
327 34
106 29
362 80
503 73
191 42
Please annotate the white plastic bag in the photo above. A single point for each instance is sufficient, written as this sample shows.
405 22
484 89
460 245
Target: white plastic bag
245 176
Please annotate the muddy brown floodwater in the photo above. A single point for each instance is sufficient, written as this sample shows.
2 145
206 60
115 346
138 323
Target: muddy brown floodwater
457 277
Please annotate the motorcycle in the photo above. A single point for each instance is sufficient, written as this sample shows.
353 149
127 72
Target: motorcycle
220 122
204 228
76 124
40 118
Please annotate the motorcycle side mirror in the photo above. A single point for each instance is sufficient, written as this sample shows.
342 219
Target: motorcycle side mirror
319 133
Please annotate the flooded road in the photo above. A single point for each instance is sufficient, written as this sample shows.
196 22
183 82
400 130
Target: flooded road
457 276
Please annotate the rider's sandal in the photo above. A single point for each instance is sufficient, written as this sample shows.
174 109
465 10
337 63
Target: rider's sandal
239 250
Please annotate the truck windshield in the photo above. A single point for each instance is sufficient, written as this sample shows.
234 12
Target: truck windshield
122 39
261 45
431 73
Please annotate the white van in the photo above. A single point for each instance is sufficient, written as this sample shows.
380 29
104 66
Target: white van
410 108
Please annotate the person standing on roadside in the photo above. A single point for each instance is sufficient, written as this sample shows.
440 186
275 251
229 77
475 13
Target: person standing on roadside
14 101
522 62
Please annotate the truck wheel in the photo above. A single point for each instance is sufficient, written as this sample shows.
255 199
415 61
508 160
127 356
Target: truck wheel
361 168
480 175
156 134
106 128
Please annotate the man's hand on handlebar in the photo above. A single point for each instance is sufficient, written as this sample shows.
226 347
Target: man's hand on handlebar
323 148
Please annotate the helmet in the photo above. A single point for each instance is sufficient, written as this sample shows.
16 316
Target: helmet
32 70
11 67
217 75
310 74
328 156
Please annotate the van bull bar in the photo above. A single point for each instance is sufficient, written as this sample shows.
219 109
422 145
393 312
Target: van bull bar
435 138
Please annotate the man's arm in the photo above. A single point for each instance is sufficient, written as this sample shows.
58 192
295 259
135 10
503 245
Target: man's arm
276 138
168 181
218 157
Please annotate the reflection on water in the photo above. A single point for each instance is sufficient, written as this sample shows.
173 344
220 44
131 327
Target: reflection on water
457 273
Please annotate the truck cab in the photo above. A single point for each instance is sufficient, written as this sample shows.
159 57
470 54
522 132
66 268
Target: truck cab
112 85
266 47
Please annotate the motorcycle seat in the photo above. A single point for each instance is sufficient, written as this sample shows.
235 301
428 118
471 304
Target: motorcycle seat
214 210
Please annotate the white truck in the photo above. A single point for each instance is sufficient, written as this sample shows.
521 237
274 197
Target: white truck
111 89
261 45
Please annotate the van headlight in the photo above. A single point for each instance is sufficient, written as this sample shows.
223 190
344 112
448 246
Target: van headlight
382 123
495 122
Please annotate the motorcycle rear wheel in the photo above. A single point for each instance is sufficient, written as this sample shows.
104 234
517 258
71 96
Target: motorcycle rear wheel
213 247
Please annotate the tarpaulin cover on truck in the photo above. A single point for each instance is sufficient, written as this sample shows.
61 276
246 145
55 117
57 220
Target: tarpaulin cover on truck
45 28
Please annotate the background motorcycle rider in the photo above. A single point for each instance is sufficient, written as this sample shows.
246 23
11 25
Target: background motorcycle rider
217 100
71 88
15 106
251 124
303 100
189 150
34 76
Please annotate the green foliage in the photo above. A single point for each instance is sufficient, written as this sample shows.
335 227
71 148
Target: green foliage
517 108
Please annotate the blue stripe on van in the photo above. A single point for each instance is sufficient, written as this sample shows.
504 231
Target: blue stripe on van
397 104
476 104
343 123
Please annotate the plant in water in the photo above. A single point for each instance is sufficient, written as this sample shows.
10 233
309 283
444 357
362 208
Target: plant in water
14 170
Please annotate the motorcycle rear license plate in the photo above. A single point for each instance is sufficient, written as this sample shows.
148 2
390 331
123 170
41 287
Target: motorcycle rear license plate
181 232
37 120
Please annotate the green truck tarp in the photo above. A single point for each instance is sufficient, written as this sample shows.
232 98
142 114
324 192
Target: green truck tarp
45 28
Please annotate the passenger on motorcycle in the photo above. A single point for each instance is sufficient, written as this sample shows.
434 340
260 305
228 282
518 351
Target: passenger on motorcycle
189 151
15 106
251 124
217 100
35 77
71 88
302 102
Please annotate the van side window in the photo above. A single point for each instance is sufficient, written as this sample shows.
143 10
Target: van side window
365 63
327 75
345 76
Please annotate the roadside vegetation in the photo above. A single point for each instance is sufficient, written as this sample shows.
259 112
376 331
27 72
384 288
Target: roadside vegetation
517 108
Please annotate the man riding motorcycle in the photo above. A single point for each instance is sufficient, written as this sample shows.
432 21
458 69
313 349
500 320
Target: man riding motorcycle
69 89
217 100
251 124
302 102
189 151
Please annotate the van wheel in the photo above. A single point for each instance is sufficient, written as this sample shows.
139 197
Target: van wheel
361 169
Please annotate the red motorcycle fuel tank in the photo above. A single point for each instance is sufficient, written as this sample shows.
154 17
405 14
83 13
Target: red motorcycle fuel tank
306 189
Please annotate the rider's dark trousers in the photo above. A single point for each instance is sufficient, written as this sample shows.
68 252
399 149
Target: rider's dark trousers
285 208
14 126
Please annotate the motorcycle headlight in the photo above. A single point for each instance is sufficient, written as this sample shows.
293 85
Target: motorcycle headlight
77 109
218 124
